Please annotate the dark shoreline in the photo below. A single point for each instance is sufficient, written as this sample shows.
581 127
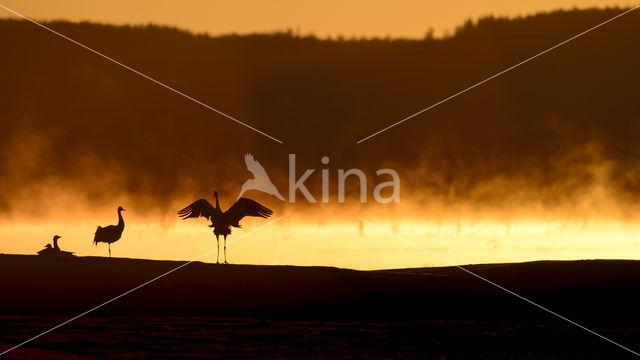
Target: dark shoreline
247 311
66 286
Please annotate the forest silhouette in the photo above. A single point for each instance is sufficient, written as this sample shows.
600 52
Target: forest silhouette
69 116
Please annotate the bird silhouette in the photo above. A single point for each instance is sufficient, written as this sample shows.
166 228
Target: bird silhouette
54 250
110 234
221 222
260 179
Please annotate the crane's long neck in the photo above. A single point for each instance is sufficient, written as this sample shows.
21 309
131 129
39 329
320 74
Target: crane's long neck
120 220
55 243
217 203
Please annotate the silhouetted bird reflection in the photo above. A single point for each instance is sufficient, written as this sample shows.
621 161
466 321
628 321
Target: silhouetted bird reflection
111 233
221 222
54 250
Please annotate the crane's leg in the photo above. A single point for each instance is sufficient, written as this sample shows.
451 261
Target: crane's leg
109 249
225 249
218 253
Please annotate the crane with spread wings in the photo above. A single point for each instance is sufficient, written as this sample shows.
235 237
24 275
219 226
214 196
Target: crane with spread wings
221 222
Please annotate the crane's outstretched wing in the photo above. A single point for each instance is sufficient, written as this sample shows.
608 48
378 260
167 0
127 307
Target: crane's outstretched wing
246 207
254 167
197 208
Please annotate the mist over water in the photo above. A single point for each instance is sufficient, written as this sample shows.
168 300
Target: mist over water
539 163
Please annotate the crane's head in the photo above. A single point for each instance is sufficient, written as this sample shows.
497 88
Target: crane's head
48 246
56 237
120 208
215 193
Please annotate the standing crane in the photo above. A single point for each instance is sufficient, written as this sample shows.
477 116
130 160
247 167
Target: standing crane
110 234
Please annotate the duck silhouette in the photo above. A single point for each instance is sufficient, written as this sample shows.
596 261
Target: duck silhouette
54 250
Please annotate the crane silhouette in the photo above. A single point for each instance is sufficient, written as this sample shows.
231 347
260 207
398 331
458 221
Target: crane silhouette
110 234
221 222
55 249
260 179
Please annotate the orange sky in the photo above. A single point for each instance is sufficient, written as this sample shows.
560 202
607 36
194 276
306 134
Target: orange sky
402 18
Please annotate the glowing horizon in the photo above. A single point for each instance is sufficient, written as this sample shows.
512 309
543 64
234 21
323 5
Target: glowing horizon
343 241
313 245
367 19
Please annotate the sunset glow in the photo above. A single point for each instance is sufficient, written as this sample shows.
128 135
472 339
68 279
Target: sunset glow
295 179
332 18
344 242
